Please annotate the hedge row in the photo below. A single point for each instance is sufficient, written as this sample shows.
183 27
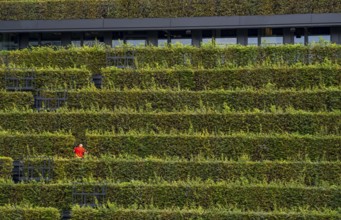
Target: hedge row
79 121
6 166
116 213
205 194
50 77
28 213
257 147
94 58
55 10
168 100
124 170
18 145
279 77
19 100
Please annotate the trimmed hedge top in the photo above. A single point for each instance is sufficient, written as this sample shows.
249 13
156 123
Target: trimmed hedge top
91 9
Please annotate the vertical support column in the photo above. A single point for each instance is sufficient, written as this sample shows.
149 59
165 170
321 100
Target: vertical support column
196 37
152 38
288 36
66 38
242 36
335 34
23 40
107 38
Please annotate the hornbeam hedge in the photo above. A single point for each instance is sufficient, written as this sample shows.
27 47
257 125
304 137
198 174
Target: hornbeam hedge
52 77
28 213
168 100
6 167
257 147
200 79
75 9
18 145
16 99
125 170
260 196
94 58
79 121
116 213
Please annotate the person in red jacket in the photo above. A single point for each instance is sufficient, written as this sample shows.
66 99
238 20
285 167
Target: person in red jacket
80 151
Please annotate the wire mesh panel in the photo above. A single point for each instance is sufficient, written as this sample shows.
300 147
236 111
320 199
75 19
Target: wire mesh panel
121 59
97 80
34 168
20 82
85 194
49 100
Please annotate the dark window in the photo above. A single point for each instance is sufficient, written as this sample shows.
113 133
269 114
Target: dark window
9 41
316 35
226 37
252 37
76 39
92 38
163 38
272 36
51 39
182 37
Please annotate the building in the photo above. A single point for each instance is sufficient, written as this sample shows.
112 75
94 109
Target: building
21 32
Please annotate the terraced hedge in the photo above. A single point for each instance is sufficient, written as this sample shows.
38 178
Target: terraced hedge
19 100
52 77
6 166
79 121
125 170
163 195
94 58
18 145
200 79
257 147
168 100
55 10
28 213
115 213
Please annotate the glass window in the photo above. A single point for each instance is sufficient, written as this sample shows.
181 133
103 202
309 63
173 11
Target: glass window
9 41
252 37
272 36
163 38
51 39
317 35
34 39
76 39
299 36
183 37
226 37
92 38
207 36
136 42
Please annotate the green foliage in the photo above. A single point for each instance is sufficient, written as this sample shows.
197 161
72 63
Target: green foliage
200 79
206 194
86 9
78 121
256 146
238 100
19 100
54 78
114 212
171 169
6 166
18 145
26 212
94 58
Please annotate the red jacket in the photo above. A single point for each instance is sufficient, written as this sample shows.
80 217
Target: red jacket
79 151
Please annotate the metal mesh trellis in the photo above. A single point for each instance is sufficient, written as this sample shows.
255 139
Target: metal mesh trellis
33 168
85 194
